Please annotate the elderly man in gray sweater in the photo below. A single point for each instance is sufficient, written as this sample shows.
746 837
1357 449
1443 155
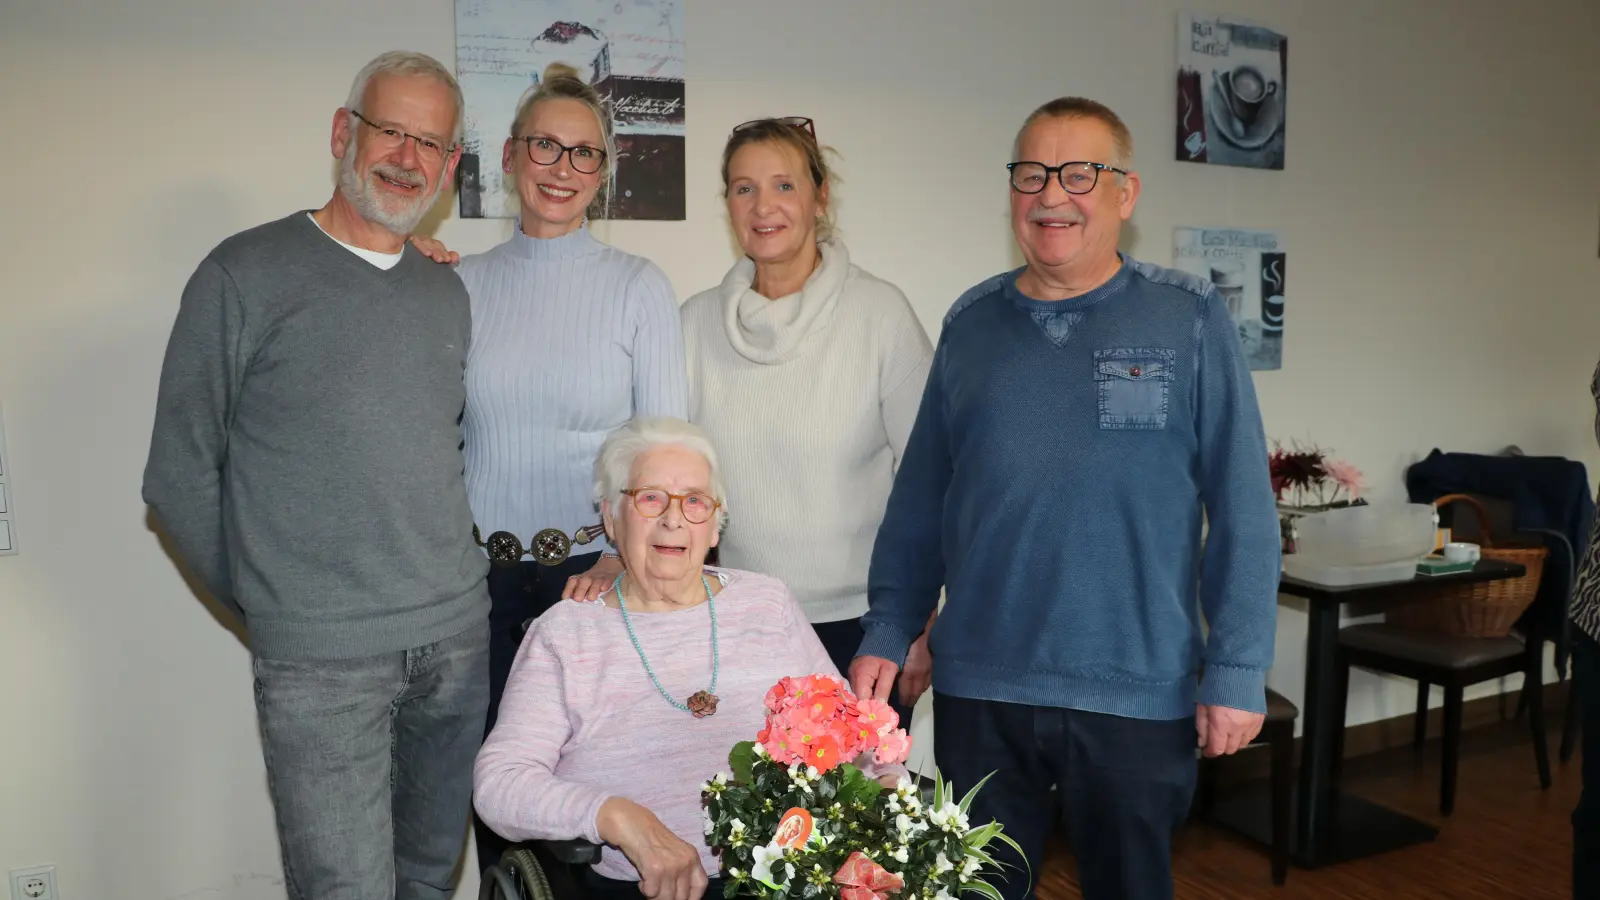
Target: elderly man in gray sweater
306 463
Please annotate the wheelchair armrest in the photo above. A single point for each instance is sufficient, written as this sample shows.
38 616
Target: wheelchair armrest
576 852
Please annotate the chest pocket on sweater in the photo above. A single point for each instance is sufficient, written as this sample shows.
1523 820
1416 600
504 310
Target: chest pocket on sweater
1133 386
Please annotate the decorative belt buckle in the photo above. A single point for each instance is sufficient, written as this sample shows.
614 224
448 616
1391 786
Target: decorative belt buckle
551 547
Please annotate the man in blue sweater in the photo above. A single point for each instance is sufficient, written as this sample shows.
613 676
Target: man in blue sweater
1085 417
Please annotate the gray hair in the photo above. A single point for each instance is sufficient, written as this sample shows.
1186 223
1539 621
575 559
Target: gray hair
623 447
406 62
1083 108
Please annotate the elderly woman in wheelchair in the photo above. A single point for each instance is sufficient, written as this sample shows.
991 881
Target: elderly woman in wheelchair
619 709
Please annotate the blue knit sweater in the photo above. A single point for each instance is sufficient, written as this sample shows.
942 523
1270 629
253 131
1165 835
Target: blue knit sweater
1064 461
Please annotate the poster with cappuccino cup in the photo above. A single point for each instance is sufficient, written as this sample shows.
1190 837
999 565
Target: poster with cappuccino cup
1233 91
1248 269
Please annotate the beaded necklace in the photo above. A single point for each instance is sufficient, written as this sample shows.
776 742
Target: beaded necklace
702 703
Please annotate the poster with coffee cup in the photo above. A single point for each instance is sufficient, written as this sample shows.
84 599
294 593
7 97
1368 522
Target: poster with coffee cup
1233 91
632 53
1248 268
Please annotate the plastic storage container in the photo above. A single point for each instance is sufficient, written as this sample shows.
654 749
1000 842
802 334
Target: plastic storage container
1362 544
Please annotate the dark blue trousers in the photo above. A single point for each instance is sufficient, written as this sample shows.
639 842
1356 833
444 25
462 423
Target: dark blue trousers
1124 785
1586 818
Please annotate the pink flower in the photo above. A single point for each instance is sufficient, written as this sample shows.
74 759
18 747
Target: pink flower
1344 475
894 749
877 714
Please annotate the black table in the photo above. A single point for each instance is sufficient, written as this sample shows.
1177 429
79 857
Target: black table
1330 825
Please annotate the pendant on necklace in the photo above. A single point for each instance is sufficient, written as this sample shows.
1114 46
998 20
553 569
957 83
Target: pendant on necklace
702 704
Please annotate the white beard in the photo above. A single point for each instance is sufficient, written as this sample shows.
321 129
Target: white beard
397 214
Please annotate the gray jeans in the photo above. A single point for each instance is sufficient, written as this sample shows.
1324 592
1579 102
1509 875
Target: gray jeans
369 762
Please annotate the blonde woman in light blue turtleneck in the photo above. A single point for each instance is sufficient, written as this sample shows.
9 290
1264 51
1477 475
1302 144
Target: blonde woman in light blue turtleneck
570 339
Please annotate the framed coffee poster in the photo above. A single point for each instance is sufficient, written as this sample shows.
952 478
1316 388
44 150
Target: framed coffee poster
633 55
1248 268
1233 91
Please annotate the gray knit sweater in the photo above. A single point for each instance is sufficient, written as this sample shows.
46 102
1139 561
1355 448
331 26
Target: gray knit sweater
306 457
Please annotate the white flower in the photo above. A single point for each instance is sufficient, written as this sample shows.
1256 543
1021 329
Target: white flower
913 805
894 804
720 779
942 865
903 787
901 853
711 824
908 827
969 866
759 751
943 895
949 817
764 857
812 773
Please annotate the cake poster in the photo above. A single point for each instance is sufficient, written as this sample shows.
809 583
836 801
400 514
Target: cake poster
631 52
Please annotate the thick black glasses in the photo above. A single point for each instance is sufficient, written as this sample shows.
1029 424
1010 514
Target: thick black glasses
800 122
390 138
1076 177
546 152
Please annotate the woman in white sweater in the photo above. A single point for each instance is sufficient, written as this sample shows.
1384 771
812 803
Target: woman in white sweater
806 371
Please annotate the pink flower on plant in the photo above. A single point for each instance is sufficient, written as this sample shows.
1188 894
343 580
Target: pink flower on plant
877 714
895 747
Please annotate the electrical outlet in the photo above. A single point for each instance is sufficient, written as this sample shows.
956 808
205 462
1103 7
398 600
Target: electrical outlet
37 883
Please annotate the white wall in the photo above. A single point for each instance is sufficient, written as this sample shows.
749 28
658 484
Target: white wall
1439 203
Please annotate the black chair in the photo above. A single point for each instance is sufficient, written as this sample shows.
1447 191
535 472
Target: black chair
1278 735
1455 663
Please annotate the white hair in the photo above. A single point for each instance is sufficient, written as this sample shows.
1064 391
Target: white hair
406 62
622 447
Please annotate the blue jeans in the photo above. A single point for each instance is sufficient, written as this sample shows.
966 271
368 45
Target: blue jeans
369 763
1124 785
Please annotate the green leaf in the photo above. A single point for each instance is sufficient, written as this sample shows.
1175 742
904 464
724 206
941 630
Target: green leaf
979 837
742 758
982 887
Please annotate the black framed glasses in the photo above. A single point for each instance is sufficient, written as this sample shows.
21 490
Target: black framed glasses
652 502
390 138
800 122
1028 177
547 152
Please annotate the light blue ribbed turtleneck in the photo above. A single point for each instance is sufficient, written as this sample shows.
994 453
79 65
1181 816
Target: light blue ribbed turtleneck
570 339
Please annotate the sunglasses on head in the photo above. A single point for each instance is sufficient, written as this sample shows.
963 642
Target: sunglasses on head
800 122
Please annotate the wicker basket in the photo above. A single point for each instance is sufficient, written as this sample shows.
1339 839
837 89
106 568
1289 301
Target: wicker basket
1485 609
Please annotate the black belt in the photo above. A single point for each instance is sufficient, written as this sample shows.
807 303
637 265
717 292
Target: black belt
551 547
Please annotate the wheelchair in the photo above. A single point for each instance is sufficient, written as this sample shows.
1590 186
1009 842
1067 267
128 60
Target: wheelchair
539 870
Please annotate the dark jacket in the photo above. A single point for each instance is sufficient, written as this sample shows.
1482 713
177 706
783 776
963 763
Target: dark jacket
1546 493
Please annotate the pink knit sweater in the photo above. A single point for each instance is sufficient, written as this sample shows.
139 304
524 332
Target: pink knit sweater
580 721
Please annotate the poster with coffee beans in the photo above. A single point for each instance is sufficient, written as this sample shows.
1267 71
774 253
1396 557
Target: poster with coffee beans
1233 91
1248 268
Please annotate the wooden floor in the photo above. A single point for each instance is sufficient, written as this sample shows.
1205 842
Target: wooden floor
1507 840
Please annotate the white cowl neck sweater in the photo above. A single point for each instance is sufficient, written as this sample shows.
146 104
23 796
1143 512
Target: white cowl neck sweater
809 400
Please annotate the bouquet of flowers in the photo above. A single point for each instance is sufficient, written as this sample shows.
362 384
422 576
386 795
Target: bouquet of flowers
1311 477
795 820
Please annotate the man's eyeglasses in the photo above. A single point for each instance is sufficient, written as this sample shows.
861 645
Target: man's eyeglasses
389 138
652 502
1076 177
800 122
546 152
